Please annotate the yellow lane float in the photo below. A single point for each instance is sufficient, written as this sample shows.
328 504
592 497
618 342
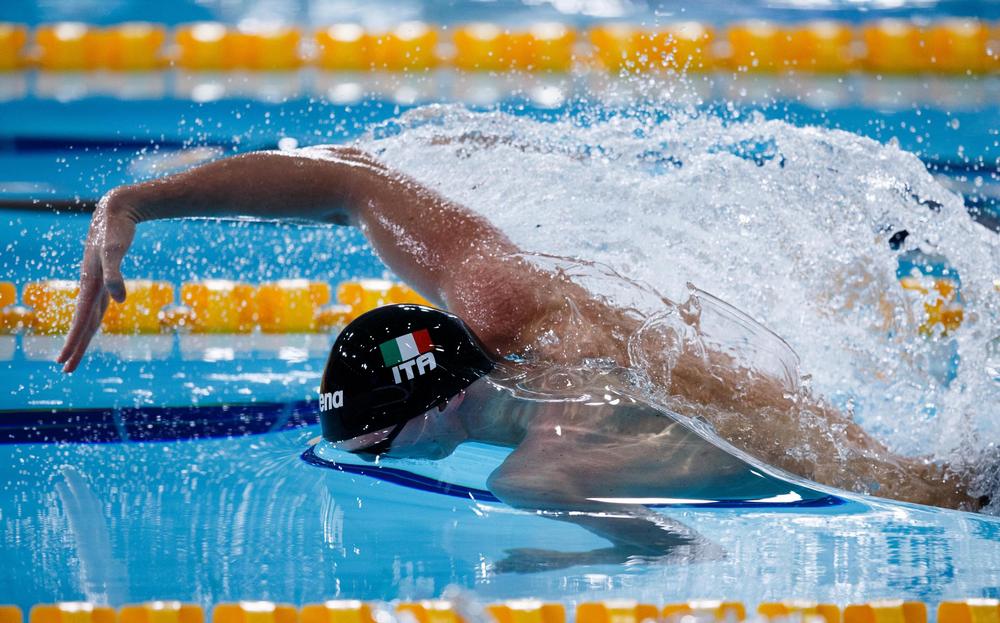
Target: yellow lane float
13 318
624 611
53 303
68 46
893 46
756 45
958 46
786 610
254 612
141 311
430 611
161 612
411 46
684 46
527 611
706 610
290 305
942 309
217 306
367 294
71 612
133 46
8 294
337 611
550 47
617 47
342 47
969 611
12 40
486 47
821 46
334 317
893 611
209 46
271 49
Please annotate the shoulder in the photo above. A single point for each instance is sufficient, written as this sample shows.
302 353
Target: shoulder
503 299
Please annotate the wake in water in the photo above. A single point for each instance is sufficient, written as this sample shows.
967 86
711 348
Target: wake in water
791 225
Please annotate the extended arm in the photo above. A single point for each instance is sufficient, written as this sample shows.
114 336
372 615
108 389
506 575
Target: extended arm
633 530
424 238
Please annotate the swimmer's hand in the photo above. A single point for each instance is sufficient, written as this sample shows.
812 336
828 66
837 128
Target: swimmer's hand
112 228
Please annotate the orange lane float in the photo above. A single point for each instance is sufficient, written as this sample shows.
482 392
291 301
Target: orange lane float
343 47
756 45
8 294
68 46
785 610
969 611
411 46
625 611
12 40
939 298
893 611
367 294
893 46
11 614
13 318
217 306
549 47
161 612
334 317
52 302
527 611
270 49
71 612
958 46
209 46
254 612
133 46
486 47
707 609
820 46
617 47
430 611
141 311
337 611
290 305
683 47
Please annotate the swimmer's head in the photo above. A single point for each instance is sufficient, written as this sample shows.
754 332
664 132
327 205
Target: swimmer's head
393 365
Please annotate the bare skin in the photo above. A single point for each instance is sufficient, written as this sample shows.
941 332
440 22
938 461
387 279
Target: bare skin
459 261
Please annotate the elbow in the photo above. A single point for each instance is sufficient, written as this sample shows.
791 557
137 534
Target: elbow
530 492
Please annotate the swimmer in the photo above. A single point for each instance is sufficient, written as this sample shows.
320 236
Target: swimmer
460 262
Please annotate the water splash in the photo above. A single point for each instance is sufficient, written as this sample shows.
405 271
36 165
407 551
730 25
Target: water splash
798 227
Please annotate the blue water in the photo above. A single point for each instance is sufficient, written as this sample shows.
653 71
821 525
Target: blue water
235 513
504 11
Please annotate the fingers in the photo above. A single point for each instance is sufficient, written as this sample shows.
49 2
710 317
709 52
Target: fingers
110 235
87 332
91 284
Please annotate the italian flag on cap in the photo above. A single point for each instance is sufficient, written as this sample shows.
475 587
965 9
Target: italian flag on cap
405 347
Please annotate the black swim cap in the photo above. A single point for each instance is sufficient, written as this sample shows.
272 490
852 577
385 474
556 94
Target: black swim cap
392 364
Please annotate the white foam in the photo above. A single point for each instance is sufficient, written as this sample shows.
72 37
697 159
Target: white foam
765 215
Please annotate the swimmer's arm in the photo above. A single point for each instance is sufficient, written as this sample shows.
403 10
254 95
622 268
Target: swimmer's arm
433 244
417 232
632 529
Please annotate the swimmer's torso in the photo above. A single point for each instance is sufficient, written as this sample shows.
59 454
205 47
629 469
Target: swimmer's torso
614 446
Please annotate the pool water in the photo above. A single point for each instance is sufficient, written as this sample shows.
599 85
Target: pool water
180 476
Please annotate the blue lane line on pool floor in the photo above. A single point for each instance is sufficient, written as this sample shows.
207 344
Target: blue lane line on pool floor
115 425
420 482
